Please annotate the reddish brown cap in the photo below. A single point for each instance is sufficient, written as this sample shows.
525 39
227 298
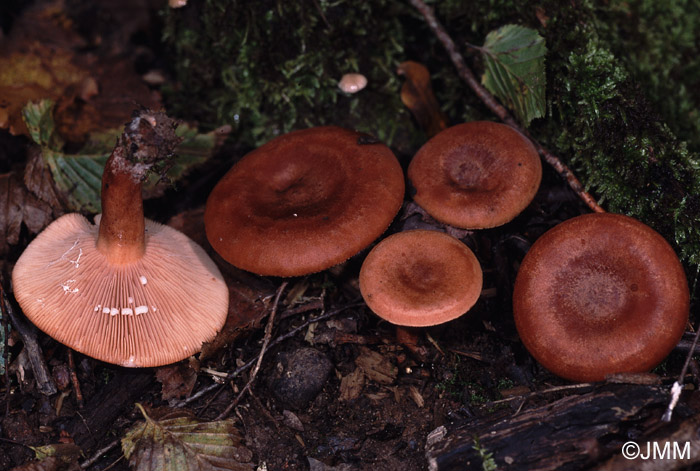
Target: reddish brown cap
155 311
420 278
304 202
600 294
476 175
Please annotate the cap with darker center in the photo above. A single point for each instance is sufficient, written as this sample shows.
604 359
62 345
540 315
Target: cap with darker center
304 202
600 294
420 278
475 175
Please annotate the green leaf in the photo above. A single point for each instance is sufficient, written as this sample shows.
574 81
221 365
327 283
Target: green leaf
514 62
79 176
39 120
175 440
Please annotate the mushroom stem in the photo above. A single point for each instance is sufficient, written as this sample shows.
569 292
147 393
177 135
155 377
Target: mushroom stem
122 236
148 140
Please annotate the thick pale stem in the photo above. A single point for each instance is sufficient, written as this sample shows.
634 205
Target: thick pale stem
122 229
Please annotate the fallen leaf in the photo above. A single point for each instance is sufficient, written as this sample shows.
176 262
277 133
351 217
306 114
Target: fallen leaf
514 62
177 380
51 463
247 293
19 206
417 94
66 452
43 57
416 396
176 440
376 366
78 177
351 385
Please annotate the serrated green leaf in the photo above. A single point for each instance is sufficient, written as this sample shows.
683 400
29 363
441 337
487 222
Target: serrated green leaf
79 176
514 70
178 441
39 120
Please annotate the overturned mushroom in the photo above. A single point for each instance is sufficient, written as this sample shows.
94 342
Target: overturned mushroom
304 202
126 290
600 294
475 175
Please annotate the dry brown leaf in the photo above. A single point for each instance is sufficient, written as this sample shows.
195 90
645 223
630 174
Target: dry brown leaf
19 206
55 457
416 396
43 58
417 94
376 366
246 292
351 385
177 381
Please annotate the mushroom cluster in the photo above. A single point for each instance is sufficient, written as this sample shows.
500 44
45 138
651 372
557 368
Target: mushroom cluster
600 294
124 290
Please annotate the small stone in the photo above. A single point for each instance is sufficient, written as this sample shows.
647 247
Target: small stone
299 377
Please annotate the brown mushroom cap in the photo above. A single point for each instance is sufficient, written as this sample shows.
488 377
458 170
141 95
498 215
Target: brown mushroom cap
420 278
476 175
600 294
154 311
304 202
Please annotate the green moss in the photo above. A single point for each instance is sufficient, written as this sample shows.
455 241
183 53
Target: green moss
271 66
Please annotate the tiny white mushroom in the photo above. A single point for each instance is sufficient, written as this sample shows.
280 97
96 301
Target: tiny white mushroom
127 311
143 280
113 312
352 83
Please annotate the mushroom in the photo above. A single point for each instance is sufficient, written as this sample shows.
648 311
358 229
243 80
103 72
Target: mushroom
600 294
352 82
420 278
475 175
303 202
124 290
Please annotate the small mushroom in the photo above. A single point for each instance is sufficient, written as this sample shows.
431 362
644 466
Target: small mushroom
303 202
600 294
352 82
475 175
420 278
124 290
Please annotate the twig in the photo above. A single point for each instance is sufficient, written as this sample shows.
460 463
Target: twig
466 74
44 382
74 380
98 454
678 384
526 396
266 342
278 340
5 353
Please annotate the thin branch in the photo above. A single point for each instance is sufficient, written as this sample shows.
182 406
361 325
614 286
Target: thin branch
554 389
677 387
44 381
266 343
467 75
99 453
